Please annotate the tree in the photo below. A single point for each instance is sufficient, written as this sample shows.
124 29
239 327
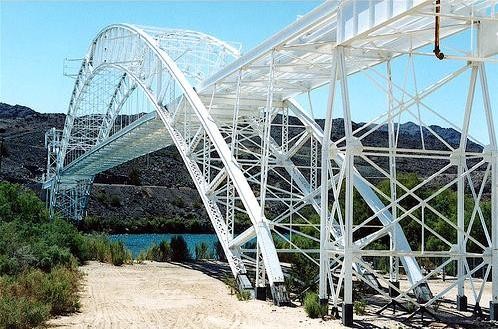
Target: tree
134 177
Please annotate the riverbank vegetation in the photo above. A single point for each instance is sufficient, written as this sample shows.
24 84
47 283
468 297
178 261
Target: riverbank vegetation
39 258
115 225
177 250
176 225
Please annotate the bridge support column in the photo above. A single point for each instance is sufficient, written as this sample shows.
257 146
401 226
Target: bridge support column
393 260
351 150
460 160
325 173
493 306
493 150
70 198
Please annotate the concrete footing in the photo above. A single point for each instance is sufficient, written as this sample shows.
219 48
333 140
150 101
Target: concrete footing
393 292
325 302
462 303
347 315
493 311
261 293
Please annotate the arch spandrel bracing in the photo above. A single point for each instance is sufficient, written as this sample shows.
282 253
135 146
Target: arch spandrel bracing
254 152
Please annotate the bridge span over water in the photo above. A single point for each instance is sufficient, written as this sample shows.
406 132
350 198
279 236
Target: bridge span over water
244 127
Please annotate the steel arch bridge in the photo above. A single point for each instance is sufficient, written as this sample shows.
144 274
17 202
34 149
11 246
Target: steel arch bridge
253 150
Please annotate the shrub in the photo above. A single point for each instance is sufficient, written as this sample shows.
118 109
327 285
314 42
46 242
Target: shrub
18 202
163 253
58 289
202 251
4 150
134 177
101 197
312 306
359 307
303 275
179 249
178 202
243 295
119 254
38 259
61 291
231 283
28 299
90 223
115 201
157 252
20 313
98 248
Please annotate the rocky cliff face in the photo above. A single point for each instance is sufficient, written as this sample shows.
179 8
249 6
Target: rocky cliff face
166 188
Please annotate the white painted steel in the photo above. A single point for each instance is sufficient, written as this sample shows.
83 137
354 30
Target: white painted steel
254 153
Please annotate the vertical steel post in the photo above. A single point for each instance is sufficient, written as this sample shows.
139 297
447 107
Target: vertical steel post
493 148
265 153
325 163
393 260
461 160
347 308
493 307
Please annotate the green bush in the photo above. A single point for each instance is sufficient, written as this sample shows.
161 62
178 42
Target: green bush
202 251
179 249
157 252
134 177
98 248
303 274
178 202
119 254
27 300
102 197
312 306
243 295
164 252
231 283
18 202
62 290
115 201
38 259
58 289
20 313
359 307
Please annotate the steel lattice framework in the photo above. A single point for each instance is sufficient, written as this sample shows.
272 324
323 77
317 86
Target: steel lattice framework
254 152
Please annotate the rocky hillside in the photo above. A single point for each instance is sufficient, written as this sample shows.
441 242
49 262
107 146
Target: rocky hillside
166 188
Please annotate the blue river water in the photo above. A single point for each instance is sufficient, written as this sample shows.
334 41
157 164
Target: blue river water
139 242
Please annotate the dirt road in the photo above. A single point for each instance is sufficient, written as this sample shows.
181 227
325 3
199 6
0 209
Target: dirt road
163 295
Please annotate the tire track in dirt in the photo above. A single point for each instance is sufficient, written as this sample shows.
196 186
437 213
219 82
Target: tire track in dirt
164 295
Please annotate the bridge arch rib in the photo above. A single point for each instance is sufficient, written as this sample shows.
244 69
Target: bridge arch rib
149 68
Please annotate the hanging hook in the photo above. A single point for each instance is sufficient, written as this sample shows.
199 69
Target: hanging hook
436 50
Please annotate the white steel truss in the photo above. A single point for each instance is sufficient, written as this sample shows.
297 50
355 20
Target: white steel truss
255 153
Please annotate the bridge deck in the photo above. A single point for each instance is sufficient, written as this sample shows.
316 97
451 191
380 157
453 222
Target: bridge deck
371 31
144 136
